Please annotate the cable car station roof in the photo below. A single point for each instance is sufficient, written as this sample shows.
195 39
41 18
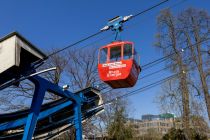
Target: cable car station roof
17 55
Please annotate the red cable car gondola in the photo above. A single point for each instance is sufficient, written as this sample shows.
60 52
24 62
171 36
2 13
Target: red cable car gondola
118 64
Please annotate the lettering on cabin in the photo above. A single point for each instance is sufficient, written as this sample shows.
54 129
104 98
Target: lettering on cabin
114 65
114 73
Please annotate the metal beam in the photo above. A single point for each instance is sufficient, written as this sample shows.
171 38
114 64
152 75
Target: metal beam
41 86
42 115
78 121
35 109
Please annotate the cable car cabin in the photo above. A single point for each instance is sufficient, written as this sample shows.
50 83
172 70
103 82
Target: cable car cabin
118 64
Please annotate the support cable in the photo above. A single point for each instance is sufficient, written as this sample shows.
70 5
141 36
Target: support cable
170 7
147 87
162 59
97 33
148 9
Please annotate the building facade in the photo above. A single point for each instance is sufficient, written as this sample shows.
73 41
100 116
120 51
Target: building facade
159 124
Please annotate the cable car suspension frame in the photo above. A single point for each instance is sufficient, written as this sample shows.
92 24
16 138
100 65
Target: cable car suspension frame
116 25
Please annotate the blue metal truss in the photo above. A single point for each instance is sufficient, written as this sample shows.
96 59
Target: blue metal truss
55 125
41 87
43 114
26 70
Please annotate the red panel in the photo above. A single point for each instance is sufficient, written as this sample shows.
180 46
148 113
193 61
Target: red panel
115 70
119 74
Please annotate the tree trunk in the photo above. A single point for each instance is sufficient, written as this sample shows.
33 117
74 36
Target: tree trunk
183 78
199 61
201 71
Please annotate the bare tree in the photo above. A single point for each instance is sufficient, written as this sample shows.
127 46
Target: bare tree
189 29
169 42
195 26
170 98
82 68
